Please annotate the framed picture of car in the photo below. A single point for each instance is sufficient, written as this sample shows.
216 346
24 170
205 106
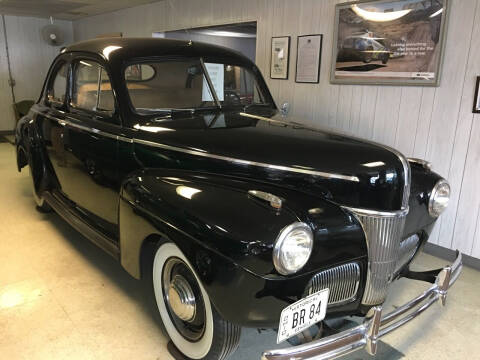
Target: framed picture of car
389 42
280 57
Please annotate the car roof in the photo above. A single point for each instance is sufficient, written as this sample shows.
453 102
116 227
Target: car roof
122 49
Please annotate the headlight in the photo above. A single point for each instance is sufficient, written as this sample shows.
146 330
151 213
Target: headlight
439 198
292 248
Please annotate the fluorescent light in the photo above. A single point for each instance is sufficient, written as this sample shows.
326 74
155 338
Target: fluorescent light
374 164
379 16
187 191
226 33
106 51
436 13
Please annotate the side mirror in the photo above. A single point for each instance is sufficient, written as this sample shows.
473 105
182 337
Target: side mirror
285 108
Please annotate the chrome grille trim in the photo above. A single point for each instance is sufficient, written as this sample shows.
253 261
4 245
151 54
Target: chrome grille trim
407 176
342 281
383 232
408 248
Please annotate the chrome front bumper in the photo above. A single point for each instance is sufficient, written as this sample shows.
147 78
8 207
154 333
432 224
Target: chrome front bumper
375 325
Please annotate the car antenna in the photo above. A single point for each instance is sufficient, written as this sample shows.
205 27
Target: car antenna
190 42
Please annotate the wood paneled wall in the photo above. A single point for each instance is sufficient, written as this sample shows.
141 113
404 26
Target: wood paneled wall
435 124
30 58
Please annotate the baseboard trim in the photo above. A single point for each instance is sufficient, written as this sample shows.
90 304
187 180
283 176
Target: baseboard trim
449 254
7 132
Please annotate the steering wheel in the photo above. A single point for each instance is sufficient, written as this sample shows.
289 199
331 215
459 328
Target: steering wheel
232 97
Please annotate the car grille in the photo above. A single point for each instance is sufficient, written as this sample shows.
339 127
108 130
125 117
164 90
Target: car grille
383 231
342 282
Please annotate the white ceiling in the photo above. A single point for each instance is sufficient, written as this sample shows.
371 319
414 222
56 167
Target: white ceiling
65 9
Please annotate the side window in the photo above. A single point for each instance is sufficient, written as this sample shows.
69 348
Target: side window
58 88
92 89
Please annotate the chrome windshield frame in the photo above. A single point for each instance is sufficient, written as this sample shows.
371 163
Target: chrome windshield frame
210 83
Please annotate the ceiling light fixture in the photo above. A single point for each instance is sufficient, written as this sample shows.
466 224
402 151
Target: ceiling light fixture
227 33
379 16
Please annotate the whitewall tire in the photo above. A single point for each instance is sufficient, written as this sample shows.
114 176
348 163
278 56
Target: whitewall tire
191 322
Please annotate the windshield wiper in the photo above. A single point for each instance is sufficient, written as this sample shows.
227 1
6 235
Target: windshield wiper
169 110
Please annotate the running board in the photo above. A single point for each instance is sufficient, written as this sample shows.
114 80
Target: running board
68 214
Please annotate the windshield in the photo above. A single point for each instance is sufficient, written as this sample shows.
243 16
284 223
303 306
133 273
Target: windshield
176 85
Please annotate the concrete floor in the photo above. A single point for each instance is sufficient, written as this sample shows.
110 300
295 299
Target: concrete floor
63 298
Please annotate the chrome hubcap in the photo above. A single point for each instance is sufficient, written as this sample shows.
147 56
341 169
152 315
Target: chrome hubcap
181 298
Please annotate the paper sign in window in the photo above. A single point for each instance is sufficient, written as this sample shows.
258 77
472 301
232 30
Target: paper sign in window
216 73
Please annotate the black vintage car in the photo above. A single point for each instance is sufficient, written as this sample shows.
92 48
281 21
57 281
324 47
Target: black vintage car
171 156
363 47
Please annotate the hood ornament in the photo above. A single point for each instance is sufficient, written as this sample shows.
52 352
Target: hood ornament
284 109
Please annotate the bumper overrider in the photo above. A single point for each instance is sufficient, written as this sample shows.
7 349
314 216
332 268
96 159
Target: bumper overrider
376 324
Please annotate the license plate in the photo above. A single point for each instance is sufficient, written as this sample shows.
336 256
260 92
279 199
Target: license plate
301 315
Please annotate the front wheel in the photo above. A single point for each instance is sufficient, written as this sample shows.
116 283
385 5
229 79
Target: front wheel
192 323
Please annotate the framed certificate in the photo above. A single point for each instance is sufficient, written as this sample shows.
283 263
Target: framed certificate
280 56
309 52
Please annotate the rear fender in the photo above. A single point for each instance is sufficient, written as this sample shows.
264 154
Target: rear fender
31 151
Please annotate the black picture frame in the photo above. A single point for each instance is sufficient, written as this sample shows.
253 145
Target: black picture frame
288 38
476 99
319 59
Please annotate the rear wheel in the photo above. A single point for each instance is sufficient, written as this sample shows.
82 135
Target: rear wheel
191 322
367 55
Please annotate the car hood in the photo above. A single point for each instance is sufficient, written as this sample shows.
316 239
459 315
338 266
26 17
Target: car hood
347 170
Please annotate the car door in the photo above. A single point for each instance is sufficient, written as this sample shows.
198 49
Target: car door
89 173
50 113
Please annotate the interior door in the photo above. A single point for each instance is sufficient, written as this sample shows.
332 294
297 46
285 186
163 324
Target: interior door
89 174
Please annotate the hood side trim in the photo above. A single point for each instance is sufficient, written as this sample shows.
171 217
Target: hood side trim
399 155
248 162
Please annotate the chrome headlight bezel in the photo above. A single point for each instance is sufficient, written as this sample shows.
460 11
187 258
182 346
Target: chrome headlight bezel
433 198
279 250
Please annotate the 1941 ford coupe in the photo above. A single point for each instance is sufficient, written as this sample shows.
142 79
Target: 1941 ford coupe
172 157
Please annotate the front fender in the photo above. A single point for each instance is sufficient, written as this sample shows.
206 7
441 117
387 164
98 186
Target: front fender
218 213
228 237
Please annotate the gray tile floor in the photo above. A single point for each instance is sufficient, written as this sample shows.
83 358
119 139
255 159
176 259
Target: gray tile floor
63 298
